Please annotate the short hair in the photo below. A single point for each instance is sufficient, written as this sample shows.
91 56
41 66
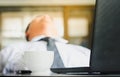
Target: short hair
27 37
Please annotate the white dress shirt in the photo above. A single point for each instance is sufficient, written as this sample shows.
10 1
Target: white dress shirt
71 55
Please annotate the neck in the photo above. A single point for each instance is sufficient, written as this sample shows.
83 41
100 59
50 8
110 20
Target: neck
47 35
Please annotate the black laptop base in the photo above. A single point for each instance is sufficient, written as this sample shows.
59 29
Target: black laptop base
82 71
72 71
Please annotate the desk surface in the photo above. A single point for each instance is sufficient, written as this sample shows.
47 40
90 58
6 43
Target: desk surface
64 75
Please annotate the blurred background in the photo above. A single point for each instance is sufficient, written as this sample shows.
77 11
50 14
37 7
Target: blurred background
73 19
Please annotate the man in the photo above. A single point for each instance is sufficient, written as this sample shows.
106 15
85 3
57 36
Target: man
39 28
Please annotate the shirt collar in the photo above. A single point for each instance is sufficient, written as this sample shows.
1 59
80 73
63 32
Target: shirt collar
56 38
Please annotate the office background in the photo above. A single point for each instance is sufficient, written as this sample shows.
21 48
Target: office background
73 19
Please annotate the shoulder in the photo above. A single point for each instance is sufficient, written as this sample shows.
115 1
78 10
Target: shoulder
78 47
73 47
12 47
15 45
81 47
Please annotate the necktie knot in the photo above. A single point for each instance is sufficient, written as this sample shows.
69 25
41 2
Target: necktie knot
45 39
48 39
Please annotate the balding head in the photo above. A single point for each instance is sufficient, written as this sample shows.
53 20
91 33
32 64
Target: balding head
41 25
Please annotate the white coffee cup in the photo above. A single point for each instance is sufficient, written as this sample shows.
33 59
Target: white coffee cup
39 62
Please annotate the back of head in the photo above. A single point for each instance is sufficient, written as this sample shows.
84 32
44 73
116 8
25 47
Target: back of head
42 25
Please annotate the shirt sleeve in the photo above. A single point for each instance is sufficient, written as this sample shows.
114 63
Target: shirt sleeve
4 56
11 59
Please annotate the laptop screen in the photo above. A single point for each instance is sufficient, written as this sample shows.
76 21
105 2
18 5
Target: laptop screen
106 37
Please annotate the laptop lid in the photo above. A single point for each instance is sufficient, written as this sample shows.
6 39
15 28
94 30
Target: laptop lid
105 52
105 55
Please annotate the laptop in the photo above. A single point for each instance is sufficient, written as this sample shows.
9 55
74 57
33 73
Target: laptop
105 52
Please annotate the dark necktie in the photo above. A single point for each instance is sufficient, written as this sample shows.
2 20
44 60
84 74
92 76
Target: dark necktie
57 63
